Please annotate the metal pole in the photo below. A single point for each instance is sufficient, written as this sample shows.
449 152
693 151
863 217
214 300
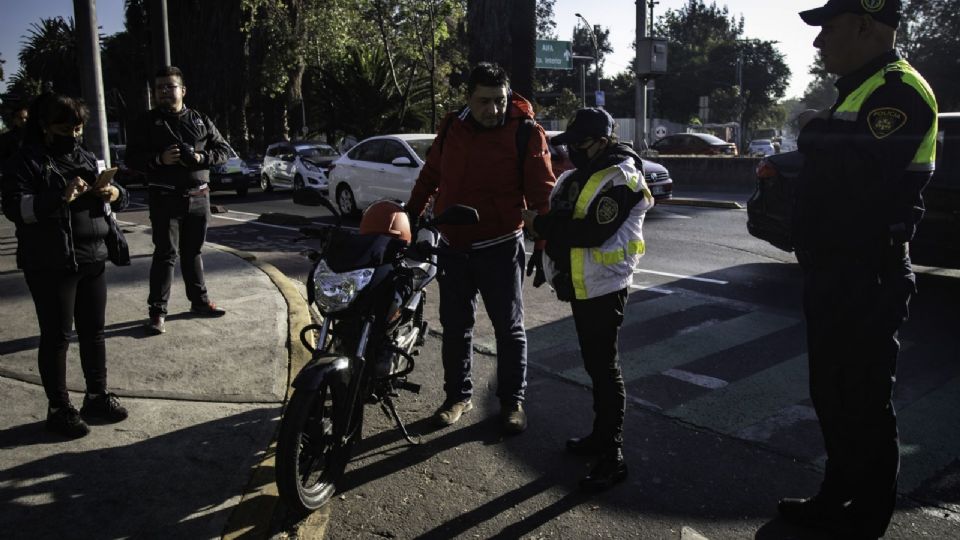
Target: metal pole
596 50
160 36
88 47
640 93
583 85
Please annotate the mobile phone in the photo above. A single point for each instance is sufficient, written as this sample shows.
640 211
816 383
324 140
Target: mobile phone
105 177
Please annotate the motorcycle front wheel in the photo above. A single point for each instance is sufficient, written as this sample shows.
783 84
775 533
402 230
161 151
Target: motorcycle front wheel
310 460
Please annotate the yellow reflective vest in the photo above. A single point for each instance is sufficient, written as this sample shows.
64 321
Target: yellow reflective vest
607 268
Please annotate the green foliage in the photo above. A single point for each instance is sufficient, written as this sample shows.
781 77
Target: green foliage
48 56
546 26
820 93
930 39
707 49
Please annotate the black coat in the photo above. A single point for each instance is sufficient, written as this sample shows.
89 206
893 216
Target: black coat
156 130
33 200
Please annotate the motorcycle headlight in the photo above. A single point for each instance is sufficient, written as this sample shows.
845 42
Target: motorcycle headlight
335 292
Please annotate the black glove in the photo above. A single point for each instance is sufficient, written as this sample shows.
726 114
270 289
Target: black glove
536 263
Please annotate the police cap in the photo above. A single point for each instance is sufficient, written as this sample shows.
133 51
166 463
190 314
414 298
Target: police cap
887 12
589 123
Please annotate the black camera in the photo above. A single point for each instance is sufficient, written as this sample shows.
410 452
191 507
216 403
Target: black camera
187 154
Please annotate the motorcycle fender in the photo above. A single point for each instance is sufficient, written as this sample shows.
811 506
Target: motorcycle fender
319 367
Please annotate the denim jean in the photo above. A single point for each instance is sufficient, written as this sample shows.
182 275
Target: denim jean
497 274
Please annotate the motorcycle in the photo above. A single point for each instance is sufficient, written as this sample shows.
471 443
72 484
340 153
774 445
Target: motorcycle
370 290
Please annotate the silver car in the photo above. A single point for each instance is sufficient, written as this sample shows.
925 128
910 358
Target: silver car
297 165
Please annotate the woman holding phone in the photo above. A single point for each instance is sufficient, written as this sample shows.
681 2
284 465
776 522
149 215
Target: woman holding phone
64 226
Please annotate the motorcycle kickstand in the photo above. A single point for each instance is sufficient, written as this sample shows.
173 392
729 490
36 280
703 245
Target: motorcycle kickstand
387 403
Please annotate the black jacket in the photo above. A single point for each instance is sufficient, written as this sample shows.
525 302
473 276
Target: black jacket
856 196
33 199
156 130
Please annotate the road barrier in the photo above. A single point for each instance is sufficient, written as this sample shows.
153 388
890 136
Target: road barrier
711 173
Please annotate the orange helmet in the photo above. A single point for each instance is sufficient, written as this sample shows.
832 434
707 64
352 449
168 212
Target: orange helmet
388 218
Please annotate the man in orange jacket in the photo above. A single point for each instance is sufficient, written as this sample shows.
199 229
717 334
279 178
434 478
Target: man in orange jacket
490 155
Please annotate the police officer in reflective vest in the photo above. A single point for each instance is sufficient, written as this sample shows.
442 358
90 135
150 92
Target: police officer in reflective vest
866 160
594 241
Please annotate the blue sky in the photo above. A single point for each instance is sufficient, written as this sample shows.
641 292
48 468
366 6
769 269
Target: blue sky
18 15
764 19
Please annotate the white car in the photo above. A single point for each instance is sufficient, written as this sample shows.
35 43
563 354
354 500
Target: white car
382 167
761 147
297 165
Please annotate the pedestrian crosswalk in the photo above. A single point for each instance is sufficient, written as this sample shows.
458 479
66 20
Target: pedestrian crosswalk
741 369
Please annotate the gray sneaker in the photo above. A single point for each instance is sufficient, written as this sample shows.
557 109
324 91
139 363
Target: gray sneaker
513 419
451 411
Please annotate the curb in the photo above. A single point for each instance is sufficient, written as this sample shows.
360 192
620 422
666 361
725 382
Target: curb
703 203
253 515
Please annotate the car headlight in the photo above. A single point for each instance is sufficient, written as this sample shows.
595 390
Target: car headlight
335 292
310 166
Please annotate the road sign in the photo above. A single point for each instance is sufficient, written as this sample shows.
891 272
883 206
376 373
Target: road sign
554 55
601 98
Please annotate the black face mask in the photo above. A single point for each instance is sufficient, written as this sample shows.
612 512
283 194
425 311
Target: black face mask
579 158
63 144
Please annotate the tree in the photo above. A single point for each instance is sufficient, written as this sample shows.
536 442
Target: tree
820 93
48 56
546 26
707 50
930 39
504 31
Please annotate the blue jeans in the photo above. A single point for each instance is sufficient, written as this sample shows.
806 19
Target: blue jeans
497 274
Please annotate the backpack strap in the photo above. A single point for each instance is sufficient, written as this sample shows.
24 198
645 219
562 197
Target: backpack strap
524 131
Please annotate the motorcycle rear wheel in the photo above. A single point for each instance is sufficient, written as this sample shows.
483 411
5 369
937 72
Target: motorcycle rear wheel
310 460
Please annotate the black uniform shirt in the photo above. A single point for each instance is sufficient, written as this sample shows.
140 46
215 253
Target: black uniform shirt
856 195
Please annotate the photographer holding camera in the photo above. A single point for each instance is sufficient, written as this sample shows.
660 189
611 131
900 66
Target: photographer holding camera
175 147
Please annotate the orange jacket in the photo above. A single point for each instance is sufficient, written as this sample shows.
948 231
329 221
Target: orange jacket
478 167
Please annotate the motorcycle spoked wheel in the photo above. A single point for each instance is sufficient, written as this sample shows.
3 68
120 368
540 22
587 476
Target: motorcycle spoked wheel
310 461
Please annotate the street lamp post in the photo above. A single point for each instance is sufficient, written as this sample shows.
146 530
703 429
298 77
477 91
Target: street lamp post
583 76
596 50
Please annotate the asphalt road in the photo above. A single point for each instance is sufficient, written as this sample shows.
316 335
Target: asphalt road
719 422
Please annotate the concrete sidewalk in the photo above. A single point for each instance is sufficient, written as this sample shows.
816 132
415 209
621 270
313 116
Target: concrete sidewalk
204 399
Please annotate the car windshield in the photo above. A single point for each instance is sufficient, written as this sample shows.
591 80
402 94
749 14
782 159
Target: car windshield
420 146
711 139
759 142
316 152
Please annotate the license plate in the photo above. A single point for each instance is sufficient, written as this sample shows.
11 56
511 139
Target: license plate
657 190
226 180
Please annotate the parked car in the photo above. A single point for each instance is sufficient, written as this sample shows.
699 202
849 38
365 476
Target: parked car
233 175
657 176
382 167
297 165
694 144
937 240
761 147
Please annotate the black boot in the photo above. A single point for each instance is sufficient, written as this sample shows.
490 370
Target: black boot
586 446
609 470
816 512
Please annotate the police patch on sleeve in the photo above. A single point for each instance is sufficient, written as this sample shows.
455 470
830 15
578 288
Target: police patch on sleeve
607 210
885 120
